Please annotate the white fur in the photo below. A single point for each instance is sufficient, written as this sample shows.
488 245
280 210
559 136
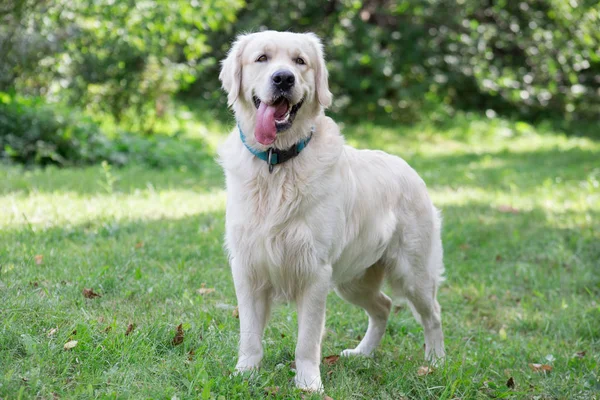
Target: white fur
331 218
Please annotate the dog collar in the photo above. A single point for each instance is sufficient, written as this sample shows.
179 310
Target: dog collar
275 156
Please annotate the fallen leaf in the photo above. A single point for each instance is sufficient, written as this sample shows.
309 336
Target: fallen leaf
510 383
70 344
202 291
272 390
327 398
39 259
178 339
283 335
139 245
540 367
130 329
422 371
90 294
34 284
236 312
51 332
108 329
504 208
330 360
191 355
579 354
498 258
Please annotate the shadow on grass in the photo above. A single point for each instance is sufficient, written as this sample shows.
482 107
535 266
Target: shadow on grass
99 180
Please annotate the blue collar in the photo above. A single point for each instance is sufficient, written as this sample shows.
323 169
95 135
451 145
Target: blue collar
275 156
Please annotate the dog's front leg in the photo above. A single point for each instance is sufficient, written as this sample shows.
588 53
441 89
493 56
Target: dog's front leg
311 325
254 307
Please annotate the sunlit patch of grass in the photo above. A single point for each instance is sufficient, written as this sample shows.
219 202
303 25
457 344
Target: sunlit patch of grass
521 207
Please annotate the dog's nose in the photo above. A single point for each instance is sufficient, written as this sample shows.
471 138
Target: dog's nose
283 79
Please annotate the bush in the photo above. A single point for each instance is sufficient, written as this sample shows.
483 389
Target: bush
124 58
33 132
534 58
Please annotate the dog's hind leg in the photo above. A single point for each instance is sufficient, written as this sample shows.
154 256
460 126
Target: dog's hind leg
365 292
419 286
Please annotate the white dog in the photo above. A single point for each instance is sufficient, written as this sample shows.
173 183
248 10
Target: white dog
306 213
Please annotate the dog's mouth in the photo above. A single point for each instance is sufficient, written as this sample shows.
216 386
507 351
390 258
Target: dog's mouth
274 117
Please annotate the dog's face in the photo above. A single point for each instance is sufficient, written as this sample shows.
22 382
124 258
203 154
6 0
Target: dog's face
275 77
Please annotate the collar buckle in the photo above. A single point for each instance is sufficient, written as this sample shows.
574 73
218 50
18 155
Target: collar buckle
269 156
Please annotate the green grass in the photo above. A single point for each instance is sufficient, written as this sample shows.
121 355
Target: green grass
521 209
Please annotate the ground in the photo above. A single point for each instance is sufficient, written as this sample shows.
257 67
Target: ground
521 207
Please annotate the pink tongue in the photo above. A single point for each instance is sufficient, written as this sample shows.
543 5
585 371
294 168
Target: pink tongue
265 130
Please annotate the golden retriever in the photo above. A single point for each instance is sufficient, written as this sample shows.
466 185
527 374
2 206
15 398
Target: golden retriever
307 214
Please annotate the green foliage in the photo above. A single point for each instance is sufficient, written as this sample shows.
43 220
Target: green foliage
33 132
403 57
124 58
125 61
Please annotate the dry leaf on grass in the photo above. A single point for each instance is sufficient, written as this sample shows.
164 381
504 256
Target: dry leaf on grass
39 259
203 290
90 294
191 355
423 370
327 398
178 339
504 208
272 390
130 329
139 245
70 344
540 367
510 383
108 329
330 360
236 312
579 354
52 331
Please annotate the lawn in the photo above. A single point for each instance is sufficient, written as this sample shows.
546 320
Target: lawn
521 208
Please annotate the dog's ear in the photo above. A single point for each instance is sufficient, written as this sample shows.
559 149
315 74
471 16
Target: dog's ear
321 74
231 69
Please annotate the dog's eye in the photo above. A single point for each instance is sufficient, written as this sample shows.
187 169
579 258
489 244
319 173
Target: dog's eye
262 58
300 61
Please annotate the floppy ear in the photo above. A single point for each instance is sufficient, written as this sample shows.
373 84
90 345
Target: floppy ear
231 69
321 74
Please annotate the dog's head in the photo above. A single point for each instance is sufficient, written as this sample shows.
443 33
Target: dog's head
275 81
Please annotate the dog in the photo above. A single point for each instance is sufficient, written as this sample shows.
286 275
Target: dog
306 213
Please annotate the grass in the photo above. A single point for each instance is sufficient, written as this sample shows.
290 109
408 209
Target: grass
521 209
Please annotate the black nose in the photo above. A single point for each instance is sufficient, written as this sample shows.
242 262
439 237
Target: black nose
283 79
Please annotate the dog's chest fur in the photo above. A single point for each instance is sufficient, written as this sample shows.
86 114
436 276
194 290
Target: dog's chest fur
279 225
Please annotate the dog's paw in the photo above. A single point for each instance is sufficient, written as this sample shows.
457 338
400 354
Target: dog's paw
245 370
309 384
357 352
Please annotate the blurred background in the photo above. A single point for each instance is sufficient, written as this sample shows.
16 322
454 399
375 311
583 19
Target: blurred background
81 81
